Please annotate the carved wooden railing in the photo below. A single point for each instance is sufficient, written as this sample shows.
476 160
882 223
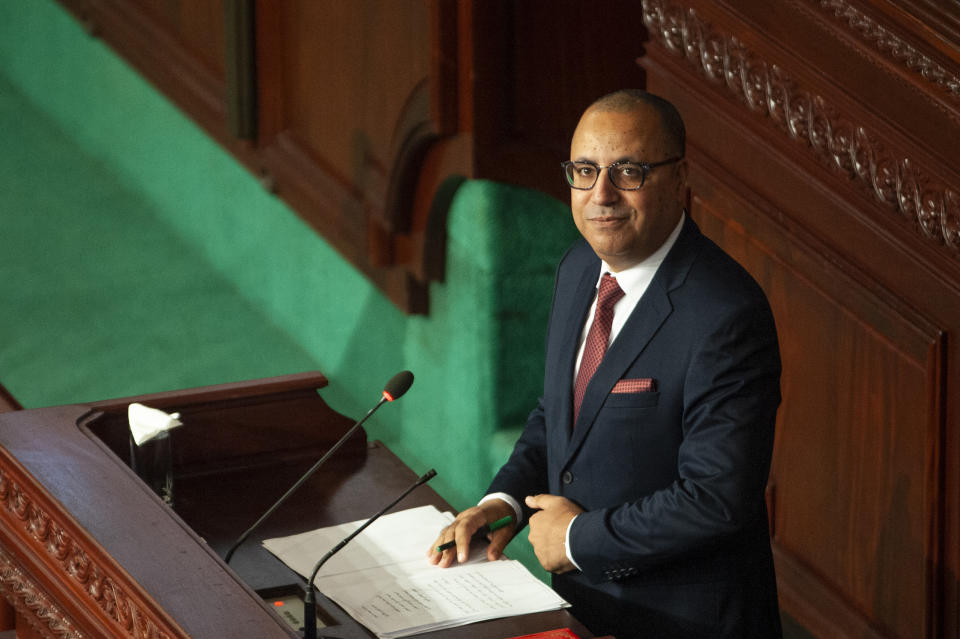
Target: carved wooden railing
43 550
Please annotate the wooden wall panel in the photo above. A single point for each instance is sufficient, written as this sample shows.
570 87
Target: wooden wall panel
347 71
538 64
821 165
197 25
854 488
344 92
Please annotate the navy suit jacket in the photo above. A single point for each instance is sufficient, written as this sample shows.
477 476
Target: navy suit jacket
674 541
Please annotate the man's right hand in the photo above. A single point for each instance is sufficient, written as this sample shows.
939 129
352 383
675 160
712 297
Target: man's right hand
463 528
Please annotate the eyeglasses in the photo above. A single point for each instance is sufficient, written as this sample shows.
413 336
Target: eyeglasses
626 176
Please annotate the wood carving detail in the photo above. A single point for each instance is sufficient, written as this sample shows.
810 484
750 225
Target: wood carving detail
892 46
47 536
896 181
32 604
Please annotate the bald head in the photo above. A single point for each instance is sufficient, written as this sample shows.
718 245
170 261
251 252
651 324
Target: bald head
633 100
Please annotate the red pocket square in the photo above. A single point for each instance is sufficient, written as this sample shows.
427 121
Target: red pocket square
641 385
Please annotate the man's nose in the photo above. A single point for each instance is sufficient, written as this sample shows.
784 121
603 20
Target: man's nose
604 192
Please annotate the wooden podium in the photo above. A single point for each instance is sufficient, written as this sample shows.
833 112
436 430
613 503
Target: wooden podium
88 550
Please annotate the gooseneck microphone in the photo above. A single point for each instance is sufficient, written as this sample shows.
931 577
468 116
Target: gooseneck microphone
394 389
310 599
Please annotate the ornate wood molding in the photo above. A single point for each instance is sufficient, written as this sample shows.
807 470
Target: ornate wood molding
900 183
29 600
892 46
30 534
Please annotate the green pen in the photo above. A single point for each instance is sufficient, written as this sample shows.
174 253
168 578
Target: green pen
482 531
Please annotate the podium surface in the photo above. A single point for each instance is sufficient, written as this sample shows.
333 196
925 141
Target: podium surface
87 549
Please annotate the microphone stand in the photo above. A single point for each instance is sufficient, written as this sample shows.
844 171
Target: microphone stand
310 599
396 387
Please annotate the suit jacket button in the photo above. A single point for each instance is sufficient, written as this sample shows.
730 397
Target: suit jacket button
566 477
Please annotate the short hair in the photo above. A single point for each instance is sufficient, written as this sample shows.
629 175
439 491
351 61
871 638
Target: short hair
626 100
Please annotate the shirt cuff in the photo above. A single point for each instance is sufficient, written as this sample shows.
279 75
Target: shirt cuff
518 513
566 545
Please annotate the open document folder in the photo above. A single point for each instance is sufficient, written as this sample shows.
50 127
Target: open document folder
382 578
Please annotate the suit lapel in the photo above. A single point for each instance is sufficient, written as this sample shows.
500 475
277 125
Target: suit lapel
651 312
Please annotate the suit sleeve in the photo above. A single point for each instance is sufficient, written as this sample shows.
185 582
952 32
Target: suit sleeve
525 471
730 397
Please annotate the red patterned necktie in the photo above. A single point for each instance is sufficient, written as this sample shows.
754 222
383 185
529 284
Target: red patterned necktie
597 338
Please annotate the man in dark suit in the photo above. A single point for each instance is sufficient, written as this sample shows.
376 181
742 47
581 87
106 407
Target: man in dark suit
641 471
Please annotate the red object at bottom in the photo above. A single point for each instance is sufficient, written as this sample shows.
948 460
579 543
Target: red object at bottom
559 633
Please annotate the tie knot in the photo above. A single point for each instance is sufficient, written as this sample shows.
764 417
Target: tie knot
610 291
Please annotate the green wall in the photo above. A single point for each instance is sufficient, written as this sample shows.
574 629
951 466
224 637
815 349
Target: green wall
137 256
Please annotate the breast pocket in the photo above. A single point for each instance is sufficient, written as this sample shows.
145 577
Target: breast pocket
632 400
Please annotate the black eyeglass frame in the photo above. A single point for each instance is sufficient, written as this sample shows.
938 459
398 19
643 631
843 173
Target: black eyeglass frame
645 168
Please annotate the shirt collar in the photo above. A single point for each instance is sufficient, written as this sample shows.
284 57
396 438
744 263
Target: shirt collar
639 275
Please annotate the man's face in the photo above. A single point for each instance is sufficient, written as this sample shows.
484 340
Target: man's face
626 227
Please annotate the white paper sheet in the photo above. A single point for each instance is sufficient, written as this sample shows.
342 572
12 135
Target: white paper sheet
383 580
418 597
393 538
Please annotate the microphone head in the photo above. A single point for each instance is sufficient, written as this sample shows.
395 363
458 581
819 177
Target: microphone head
398 385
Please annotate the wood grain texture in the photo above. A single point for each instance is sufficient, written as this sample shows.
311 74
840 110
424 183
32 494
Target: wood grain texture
843 208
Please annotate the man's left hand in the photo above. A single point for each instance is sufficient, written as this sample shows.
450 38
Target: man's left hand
548 530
